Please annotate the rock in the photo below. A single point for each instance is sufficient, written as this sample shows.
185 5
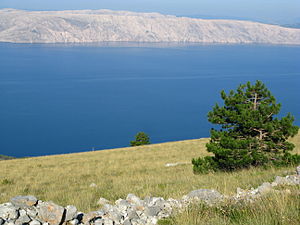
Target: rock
99 222
9 223
116 26
35 222
298 170
50 213
283 181
22 212
22 220
2 221
293 179
93 185
32 212
74 222
156 201
171 164
132 199
131 214
176 164
92 216
108 221
114 215
71 212
102 201
209 196
8 211
127 222
264 188
24 201
152 211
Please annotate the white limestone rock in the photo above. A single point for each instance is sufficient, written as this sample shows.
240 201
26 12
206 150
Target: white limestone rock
83 26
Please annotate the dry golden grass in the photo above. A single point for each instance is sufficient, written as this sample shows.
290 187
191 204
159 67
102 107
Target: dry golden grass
274 208
66 179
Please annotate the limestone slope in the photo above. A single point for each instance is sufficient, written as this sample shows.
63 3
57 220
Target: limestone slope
82 26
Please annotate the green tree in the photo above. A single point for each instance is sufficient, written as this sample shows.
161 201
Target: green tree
250 135
141 138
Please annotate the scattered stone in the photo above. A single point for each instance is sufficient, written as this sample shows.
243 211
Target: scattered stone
24 201
93 185
50 213
298 170
176 164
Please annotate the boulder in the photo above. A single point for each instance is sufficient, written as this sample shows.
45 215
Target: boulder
264 188
284 181
71 212
24 219
102 201
209 196
50 213
152 211
24 201
32 212
127 222
8 211
134 200
92 216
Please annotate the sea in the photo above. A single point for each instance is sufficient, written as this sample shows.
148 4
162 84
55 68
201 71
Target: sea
65 98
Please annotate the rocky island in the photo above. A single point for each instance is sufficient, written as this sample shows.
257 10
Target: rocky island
88 26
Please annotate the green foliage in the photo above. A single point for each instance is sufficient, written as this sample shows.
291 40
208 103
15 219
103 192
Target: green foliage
141 138
4 157
6 182
250 134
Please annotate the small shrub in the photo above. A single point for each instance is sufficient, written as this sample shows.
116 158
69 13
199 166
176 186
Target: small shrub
7 182
141 138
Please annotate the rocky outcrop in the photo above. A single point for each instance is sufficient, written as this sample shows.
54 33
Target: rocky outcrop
27 210
82 26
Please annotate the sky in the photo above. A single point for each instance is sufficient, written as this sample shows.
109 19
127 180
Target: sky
273 11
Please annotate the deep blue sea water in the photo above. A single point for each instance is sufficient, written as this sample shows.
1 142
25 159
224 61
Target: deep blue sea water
72 98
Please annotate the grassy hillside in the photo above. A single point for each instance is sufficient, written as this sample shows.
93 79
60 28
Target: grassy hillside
4 157
66 179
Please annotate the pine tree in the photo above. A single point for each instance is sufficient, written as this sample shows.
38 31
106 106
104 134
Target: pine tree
141 138
250 134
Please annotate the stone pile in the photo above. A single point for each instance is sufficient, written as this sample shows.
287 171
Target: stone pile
28 210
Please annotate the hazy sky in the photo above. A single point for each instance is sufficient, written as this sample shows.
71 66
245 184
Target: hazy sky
268 10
